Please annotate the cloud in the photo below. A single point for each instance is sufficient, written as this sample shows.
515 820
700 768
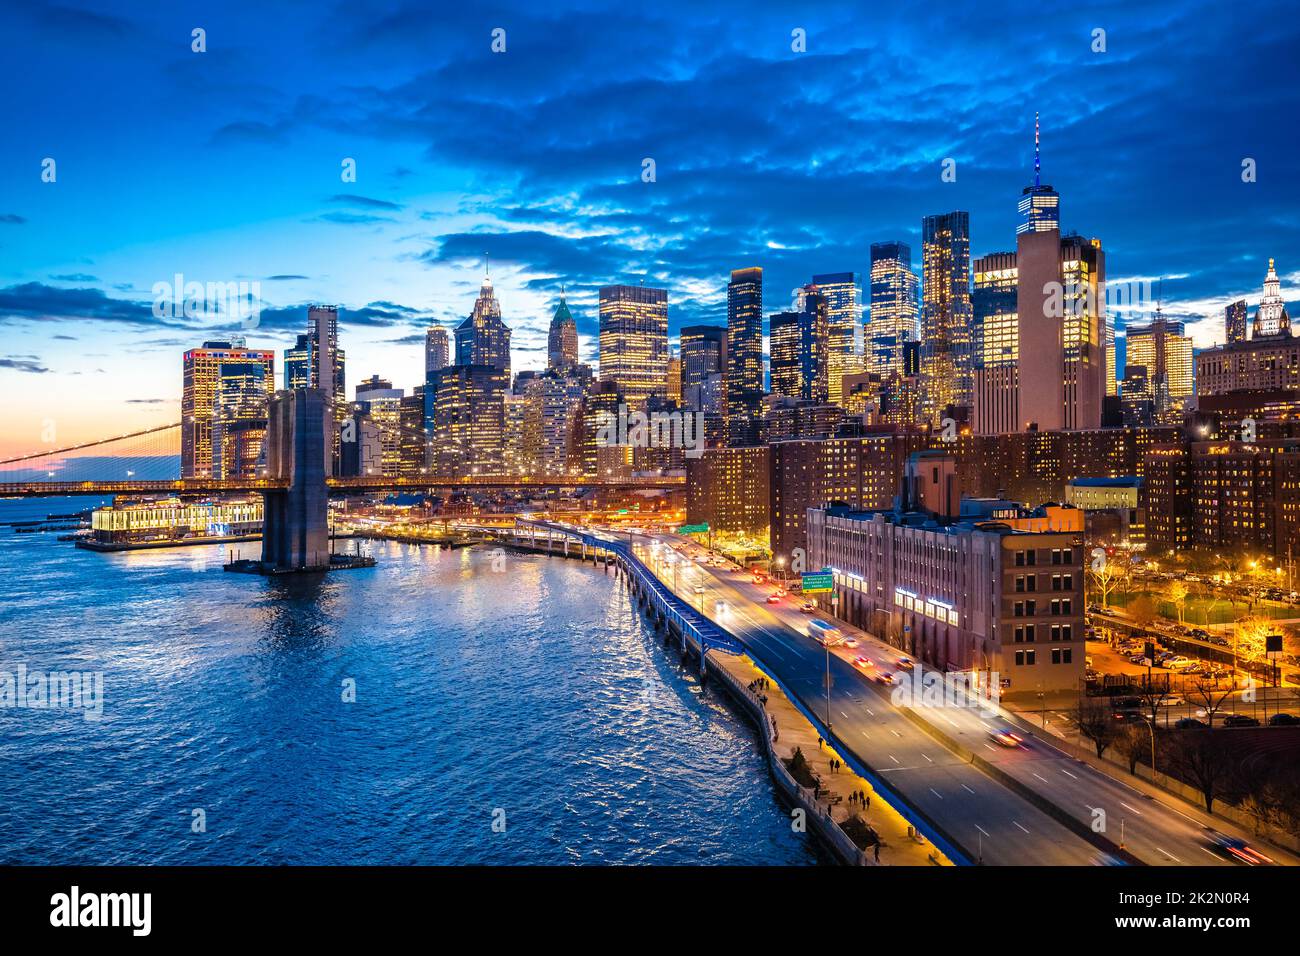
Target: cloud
11 219
286 278
35 301
351 199
20 364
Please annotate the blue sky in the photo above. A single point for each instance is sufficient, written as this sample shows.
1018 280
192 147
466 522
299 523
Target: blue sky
225 165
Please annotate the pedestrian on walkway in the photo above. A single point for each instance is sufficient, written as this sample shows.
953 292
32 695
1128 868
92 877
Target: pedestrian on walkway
819 743
877 851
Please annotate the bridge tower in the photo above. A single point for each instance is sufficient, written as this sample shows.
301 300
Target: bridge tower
295 536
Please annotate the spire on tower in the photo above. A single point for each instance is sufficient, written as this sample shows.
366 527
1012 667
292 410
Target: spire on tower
1037 164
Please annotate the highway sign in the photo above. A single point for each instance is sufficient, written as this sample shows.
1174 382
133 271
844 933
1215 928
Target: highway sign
693 529
818 582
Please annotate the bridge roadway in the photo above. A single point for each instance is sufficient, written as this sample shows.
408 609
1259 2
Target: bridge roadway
364 483
963 799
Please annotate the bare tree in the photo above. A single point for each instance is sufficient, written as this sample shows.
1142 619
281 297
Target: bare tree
1134 743
1095 723
1203 759
1209 693
1104 576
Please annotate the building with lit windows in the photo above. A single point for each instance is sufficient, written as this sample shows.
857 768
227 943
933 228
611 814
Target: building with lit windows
1271 318
239 418
562 339
729 489
465 419
381 405
961 585
840 290
171 519
703 354
997 341
1166 353
483 338
1040 205
892 320
798 347
203 371
634 341
946 320
1263 364
1234 322
437 349
743 382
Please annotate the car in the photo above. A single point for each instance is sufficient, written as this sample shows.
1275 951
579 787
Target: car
808 607
884 677
1094 609
1189 723
1240 720
781 592
1125 716
720 607
773 599
863 662
1283 720
1237 848
1170 700
1127 703
850 642
1006 738
699 589
906 663
1139 659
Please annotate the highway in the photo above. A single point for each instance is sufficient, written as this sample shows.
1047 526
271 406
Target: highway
967 803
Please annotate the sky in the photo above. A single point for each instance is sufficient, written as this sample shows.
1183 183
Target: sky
227 165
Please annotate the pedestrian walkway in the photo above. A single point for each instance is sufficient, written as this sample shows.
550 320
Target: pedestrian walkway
793 730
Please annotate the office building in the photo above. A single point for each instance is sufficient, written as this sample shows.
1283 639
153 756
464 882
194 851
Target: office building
743 393
634 341
562 340
997 344
1271 318
946 318
203 371
840 290
437 349
465 419
483 338
1039 205
798 345
703 354
894 302
1166 354
1234 322
239 421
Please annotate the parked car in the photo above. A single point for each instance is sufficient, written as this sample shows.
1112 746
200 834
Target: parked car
1170 700
1240 720
1189 723
1283 720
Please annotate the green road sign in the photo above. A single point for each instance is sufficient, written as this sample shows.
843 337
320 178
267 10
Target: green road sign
818 582
693 529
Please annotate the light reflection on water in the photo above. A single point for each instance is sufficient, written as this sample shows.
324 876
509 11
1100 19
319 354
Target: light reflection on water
536 691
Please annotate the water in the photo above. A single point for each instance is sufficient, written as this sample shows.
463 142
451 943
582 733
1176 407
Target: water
533 694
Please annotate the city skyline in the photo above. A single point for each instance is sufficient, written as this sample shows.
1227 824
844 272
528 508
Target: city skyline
263 200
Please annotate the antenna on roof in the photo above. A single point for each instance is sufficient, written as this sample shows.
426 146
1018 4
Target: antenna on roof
1037 163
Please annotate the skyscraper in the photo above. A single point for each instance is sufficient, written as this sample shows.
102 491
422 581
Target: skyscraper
1166 352
744 379
1271 318
465 415
326 356
843 313
892 320
217 366
562 342
1061 320
437 353
1039 205
704 353
946 360
634 341
997 344
483 339
799 349
1234 321
239 420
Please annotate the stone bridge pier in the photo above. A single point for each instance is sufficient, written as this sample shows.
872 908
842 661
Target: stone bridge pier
295 536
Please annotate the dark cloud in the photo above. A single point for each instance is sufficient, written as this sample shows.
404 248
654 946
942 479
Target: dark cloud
285 278
11 219
35 301
351 199
74 277
21 364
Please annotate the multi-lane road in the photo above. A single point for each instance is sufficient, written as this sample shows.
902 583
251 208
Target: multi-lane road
966 803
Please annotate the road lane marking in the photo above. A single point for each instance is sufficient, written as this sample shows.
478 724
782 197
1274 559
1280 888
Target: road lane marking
1018 824
936 793
895 732
1068 774
1129 809
967 789
844 715
1044 779
893 758
991 747
1170 855
867 735
927 757
983 831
